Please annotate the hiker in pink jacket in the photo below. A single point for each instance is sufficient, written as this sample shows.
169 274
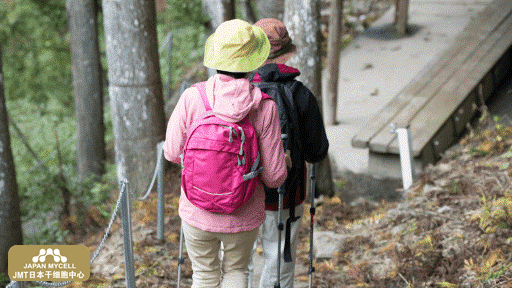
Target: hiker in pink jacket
235 49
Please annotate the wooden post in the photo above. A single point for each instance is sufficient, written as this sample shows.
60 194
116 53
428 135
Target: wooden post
333 60
401 16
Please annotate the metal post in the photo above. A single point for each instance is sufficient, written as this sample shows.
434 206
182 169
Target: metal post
160 186
406 159
169 64
127 238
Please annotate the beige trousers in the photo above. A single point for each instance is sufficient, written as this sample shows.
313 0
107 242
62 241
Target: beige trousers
203 250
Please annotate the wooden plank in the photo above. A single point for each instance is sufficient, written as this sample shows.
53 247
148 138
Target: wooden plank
465 112
380 120
474 33
477 39
444 138
501 69
485 21
380 141
452 94
486 86
442 103
427 154
422 132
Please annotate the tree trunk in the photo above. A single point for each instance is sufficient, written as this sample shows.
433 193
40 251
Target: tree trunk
333 60
87 86
219 11
401 16
135 88
10 215
270 9
247 11
302 18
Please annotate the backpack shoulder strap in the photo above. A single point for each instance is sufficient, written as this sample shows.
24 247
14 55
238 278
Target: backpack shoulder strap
265 96
201 86
287 95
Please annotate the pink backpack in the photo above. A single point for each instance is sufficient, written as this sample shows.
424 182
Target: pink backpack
220 161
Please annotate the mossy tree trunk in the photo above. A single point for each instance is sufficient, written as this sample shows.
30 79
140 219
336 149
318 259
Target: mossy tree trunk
87 86
135 88
270 9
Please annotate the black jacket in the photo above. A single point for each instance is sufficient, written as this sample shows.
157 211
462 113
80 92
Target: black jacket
311 127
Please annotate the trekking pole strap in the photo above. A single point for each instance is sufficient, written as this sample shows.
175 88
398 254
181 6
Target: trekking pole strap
312 211
280 190
287 238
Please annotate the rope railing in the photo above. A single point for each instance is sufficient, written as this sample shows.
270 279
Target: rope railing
123 202
124 186
159 159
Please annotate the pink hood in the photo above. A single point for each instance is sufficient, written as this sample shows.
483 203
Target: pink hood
232 99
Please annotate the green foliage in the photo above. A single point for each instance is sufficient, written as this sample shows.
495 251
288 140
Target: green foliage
495 213
39 188
181 14
4 279
36 54
447 285
490 267
48 235
479 152
38 85
455 187
186 21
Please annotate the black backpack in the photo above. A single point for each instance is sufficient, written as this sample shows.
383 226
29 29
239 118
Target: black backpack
288 118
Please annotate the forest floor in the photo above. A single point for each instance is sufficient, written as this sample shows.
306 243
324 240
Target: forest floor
452 229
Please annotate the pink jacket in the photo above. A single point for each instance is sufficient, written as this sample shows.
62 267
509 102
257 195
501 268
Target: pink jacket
231 99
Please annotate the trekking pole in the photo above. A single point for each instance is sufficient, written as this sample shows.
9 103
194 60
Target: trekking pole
312 214
280 228
180 256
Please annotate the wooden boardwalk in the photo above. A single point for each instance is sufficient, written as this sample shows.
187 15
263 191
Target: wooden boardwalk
438 103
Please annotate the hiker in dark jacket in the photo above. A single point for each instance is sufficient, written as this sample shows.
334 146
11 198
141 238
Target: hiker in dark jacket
308 142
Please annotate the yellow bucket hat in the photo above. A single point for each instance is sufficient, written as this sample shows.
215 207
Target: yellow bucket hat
236 46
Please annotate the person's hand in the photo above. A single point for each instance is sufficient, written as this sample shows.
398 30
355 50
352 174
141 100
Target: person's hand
288 158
